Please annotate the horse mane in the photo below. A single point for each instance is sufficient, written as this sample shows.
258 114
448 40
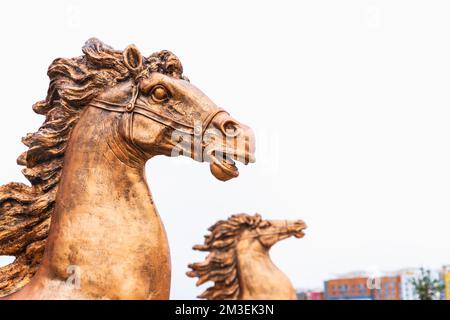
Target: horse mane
25 211
220 266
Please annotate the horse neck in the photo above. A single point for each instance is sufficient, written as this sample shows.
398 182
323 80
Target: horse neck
259 278
105 224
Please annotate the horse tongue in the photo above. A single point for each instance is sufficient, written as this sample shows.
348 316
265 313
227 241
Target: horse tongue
218 172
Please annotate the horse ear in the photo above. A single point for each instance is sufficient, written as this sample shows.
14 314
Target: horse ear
132 58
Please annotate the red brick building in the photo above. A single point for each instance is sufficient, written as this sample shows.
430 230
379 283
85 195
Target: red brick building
310 295
348 289
363 288
314 295
389 288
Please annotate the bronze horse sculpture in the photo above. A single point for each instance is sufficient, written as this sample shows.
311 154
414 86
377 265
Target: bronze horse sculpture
87 227
239 263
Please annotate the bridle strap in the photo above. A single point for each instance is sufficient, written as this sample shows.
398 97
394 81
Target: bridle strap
209 119
133 107
285 229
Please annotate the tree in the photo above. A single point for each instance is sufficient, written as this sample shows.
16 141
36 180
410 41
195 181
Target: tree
426 287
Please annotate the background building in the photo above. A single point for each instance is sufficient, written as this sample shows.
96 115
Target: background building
394 285
446 278
408 292
315 295
348 289
389 288
310 295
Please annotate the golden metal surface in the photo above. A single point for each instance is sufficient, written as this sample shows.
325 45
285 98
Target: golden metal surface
239 263
87 227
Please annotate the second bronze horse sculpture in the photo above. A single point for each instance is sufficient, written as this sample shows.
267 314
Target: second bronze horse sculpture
238 262
89 206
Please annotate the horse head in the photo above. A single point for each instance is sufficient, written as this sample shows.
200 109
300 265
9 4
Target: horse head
262 236
238 262
106 113
164 114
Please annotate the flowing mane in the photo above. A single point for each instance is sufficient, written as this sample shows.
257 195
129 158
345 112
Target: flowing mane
25 211
220 265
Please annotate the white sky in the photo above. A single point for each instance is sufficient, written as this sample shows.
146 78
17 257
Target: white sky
349 100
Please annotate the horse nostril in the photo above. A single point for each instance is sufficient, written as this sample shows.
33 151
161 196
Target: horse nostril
230 128
301 224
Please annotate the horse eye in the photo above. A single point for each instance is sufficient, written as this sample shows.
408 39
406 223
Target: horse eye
159 93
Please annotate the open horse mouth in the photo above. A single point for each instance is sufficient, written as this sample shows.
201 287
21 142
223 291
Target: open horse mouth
299 234
223 166
298 228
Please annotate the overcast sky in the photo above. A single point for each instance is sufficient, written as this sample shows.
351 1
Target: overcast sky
349 100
